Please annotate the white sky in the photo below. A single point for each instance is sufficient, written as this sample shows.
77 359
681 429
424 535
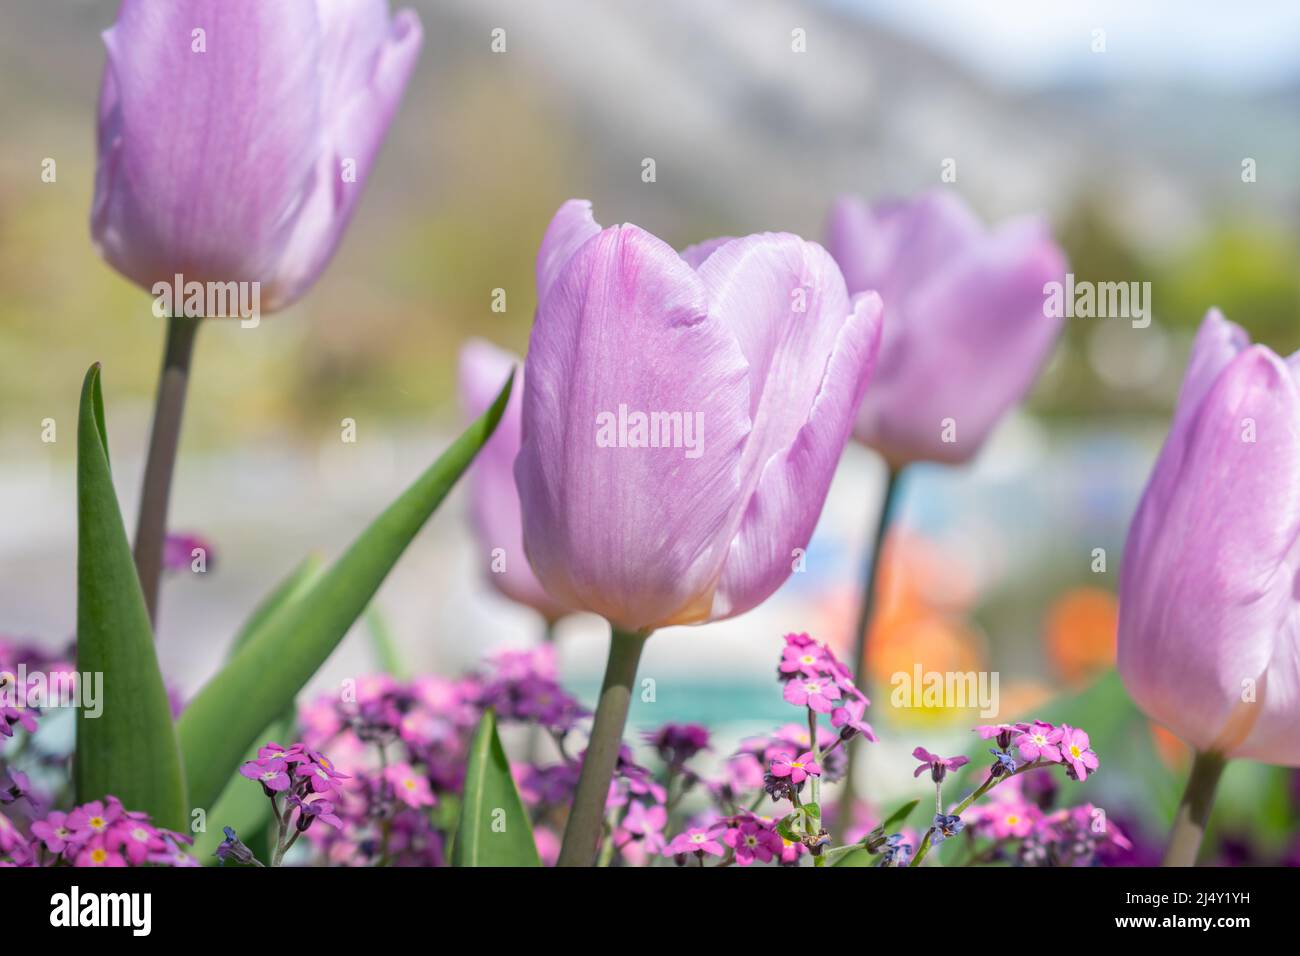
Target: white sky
1232 43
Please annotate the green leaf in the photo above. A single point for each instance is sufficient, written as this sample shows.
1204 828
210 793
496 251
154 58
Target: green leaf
892 822
384 644
288 648
494 829
129 749
294 586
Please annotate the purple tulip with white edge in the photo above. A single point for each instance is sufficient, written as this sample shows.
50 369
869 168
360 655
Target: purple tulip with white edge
494 500
234 139
752 358
235 136
966 329
1208 644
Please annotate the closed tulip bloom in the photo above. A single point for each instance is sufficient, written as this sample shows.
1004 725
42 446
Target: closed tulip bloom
494 502
965 326
1208 639
682 417
235 135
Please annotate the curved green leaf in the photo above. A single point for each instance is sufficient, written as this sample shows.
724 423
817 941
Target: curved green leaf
129 748
494 829
282 655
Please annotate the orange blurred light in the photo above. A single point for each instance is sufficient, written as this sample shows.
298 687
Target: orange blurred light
1080 637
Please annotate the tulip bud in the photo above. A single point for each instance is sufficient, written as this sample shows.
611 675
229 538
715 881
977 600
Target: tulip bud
966 329
235 136
494 501
1208 597
682 416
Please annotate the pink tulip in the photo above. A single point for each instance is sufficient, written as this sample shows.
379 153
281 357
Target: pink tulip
235 135
494 502
746 358
1208 639
965 326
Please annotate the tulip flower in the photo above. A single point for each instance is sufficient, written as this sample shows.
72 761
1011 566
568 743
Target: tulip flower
682 418
494 502
234 138
1208 601
235 135
966 331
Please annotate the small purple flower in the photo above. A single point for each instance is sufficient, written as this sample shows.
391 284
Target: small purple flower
698 840
848 718
752 839
232 848
678 743
938 766
945 825
1006 764
1003 733
272 773
53 831
1040 742
808 660
896 850
313 808
1076 752
178 552
817 693
798 769
14 786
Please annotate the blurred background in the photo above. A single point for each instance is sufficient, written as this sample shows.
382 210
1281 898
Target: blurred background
1135 153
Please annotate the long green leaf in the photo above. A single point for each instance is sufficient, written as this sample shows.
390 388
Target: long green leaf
493 828
129 749
297 584
266 674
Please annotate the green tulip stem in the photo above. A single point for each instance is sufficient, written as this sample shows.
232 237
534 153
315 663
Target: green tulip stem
866 613
1194 810
169 408
587 816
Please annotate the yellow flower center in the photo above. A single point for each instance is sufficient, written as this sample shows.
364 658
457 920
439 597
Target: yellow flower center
1075 751
99 856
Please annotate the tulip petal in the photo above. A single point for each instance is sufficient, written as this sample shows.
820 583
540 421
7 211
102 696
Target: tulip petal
1207 592
895 246
783 511
570 227
366 61
1217 343
696 255
632 533
984 336
494 501
209 153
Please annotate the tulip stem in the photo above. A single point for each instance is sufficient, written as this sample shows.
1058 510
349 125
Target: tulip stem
151 527
1194 810
587 816
866 612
